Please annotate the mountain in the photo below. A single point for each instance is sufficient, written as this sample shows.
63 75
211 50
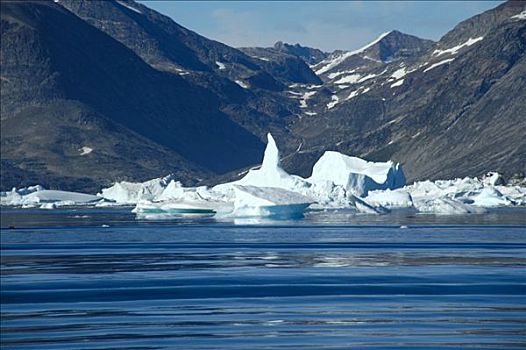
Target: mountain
286 67
310 55
390 46
98 91
456 109
66 85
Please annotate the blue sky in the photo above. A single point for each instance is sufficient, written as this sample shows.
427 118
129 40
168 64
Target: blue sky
328 25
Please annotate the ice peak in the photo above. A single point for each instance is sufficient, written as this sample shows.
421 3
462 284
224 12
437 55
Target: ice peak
271 157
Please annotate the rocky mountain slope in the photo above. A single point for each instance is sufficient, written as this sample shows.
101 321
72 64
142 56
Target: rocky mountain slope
67 85
98 91
455 109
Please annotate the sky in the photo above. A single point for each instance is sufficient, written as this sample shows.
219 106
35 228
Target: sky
327 25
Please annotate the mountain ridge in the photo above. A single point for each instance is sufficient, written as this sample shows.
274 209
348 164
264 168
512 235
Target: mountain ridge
150 97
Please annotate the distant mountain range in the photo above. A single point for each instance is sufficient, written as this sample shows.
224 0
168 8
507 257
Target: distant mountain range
98 91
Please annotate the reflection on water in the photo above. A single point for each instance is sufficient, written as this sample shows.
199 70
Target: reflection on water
209 285
27 218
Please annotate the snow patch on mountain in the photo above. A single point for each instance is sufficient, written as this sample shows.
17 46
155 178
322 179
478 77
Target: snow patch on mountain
349 79
85 150
398 83
305 97
454 50
367 77
242 84
352 94
220 65
399 73
334 101
434 65
520 16
122 3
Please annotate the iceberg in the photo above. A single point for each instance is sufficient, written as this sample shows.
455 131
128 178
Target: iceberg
270 174
457 196
390 199
268 202
338 181
47 199
356 175
169 210
125 192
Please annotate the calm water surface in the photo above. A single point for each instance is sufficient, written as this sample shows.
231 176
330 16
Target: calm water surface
389 282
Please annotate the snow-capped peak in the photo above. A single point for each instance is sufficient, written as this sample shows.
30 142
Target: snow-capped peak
334 61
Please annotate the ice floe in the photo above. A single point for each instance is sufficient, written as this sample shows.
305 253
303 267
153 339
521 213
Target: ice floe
38 196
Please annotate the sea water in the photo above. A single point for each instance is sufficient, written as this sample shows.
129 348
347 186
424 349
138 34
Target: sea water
99 279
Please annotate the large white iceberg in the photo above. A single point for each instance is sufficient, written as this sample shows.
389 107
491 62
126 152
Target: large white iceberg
270 174
356 175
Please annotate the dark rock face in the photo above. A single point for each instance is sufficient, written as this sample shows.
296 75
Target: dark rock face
308 54
83 79
286 67
98 91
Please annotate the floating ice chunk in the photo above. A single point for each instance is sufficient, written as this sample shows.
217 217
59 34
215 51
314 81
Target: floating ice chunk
390 199
490 197
47 199
268 202
446 206
48 206
454 50
168 210
125 192
49 196
434 65
357 175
